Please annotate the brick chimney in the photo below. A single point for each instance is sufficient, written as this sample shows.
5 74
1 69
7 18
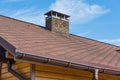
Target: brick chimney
57 22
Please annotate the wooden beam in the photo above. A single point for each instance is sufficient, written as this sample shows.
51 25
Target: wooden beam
95 74
32 72
8 55
0 70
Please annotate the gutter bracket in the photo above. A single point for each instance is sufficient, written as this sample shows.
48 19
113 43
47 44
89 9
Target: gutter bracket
9 67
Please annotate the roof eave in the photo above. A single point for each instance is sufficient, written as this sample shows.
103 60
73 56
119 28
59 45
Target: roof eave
43 60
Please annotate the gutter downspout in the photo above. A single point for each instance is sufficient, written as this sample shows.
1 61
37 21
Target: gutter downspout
9 67
95 74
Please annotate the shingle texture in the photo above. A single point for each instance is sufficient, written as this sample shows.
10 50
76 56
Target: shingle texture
35 40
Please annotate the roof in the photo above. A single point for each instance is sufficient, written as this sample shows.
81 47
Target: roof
22 37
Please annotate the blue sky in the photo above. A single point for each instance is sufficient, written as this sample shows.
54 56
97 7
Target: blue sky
96 19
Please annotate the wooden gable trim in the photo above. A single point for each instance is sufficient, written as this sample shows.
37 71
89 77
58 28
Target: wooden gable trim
6 45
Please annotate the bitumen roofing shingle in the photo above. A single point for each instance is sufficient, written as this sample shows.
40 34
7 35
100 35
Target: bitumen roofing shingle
36 40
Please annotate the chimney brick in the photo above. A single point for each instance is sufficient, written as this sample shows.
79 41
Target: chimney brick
57 22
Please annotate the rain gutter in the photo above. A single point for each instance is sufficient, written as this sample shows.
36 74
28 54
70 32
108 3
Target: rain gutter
44 60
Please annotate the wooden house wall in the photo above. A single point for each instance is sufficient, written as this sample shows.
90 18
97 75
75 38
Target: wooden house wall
43 72
20 67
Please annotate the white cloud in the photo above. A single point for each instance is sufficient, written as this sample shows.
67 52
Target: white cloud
32 15
83 33
79 11
112 41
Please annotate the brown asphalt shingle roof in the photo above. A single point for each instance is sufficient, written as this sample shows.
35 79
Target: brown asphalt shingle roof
36 40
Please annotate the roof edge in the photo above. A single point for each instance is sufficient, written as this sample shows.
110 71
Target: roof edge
21 21
6 45
49 61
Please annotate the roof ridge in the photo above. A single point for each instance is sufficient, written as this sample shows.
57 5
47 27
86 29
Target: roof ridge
21 21
96 40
